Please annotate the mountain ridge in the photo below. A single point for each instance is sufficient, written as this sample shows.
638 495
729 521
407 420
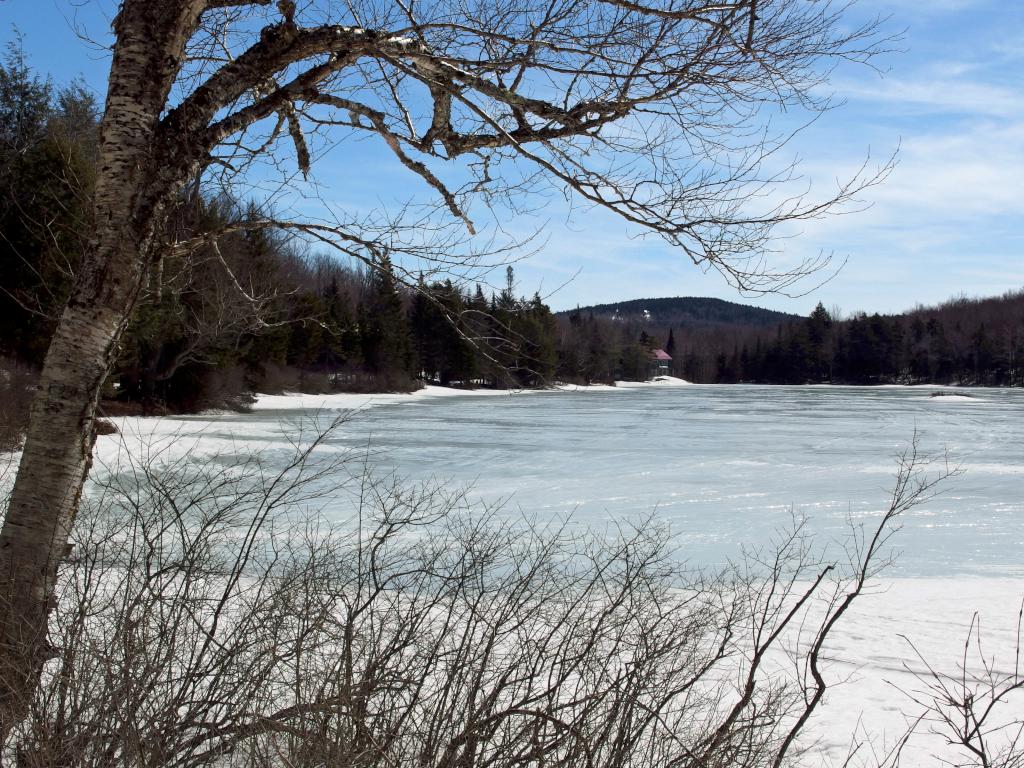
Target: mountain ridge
686 312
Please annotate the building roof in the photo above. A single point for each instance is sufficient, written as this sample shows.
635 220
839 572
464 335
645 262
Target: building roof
660 354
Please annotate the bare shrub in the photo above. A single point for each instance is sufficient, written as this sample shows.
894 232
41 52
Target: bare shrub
208 615
275 379
976 709
220 387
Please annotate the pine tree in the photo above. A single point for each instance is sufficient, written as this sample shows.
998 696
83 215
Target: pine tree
383 330
47 166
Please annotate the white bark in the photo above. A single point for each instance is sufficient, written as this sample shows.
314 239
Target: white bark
56 458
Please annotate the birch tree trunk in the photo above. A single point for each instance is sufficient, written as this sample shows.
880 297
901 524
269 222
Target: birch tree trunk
57 455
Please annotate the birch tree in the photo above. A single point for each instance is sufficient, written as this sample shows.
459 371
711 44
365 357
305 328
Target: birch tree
653 110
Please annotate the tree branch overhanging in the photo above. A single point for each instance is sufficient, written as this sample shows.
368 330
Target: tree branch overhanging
649 110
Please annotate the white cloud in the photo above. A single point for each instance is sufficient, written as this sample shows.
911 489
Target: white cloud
917 7
940 90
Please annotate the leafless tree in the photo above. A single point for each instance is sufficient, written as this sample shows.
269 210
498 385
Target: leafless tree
210 616
654 111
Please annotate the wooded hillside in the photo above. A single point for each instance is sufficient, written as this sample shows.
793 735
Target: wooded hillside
967 341
688 312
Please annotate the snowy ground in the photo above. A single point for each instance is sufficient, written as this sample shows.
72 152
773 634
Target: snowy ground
345 401
874 656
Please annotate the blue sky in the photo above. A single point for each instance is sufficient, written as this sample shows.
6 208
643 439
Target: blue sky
948 221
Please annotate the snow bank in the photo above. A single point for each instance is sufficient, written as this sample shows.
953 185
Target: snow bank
346 401
658 381
585 388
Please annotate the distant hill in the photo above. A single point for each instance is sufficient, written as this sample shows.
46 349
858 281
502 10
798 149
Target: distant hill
688 312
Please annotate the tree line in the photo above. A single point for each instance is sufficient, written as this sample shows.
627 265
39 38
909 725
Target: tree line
254 309
251 310
965 341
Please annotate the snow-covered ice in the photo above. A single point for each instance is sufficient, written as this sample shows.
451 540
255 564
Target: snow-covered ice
723 466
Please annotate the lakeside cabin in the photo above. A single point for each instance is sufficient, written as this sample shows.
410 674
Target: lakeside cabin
658 363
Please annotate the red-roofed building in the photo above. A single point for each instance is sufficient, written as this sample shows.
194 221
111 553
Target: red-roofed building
659 363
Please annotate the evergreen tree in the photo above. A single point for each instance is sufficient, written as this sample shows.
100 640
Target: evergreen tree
383 331
341 349
819 352
47 165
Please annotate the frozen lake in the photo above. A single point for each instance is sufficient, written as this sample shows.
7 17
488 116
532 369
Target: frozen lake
723 465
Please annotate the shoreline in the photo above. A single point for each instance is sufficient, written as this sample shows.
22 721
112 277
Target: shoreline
297 401
358 401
